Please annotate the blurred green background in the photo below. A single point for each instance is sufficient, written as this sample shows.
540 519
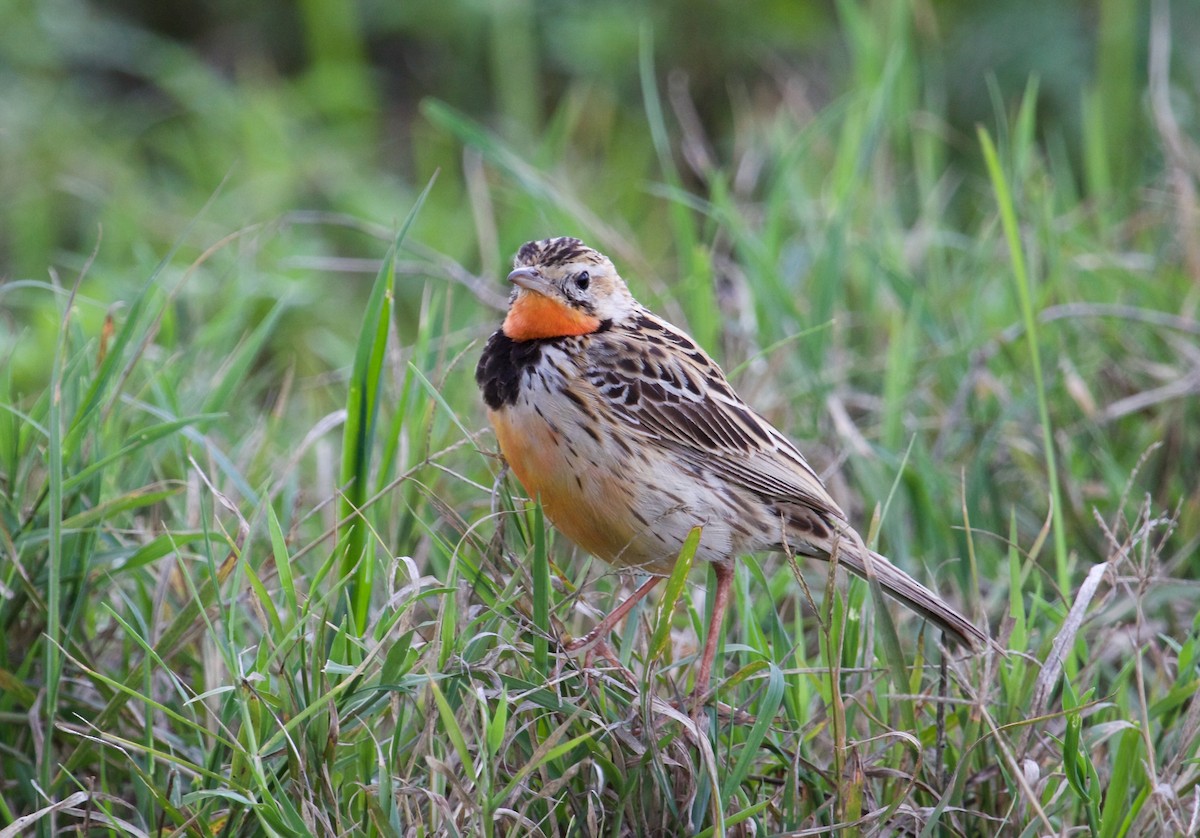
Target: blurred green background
119 121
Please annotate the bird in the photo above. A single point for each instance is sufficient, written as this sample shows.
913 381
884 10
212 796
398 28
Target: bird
630 436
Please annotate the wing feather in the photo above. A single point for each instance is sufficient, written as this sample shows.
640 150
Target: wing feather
680 399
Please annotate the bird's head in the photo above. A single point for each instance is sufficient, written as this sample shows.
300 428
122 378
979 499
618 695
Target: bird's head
561 288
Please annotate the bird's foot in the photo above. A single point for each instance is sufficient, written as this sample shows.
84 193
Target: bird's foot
696 706
590 647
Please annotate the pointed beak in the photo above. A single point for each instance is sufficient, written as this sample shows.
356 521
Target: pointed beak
530 280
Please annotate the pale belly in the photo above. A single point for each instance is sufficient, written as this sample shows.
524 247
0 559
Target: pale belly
630 511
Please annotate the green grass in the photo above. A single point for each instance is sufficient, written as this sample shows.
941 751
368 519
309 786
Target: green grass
261 571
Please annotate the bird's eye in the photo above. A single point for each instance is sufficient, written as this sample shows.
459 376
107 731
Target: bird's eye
583 280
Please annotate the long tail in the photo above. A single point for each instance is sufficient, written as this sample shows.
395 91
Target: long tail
912 593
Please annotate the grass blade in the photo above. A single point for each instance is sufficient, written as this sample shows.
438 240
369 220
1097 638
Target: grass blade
1016 252
671 594
540 571
362 408
765 719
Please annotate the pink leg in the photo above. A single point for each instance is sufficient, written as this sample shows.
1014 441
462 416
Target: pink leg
720 604
605 626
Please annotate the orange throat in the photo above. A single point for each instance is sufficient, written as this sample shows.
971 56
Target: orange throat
533 316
